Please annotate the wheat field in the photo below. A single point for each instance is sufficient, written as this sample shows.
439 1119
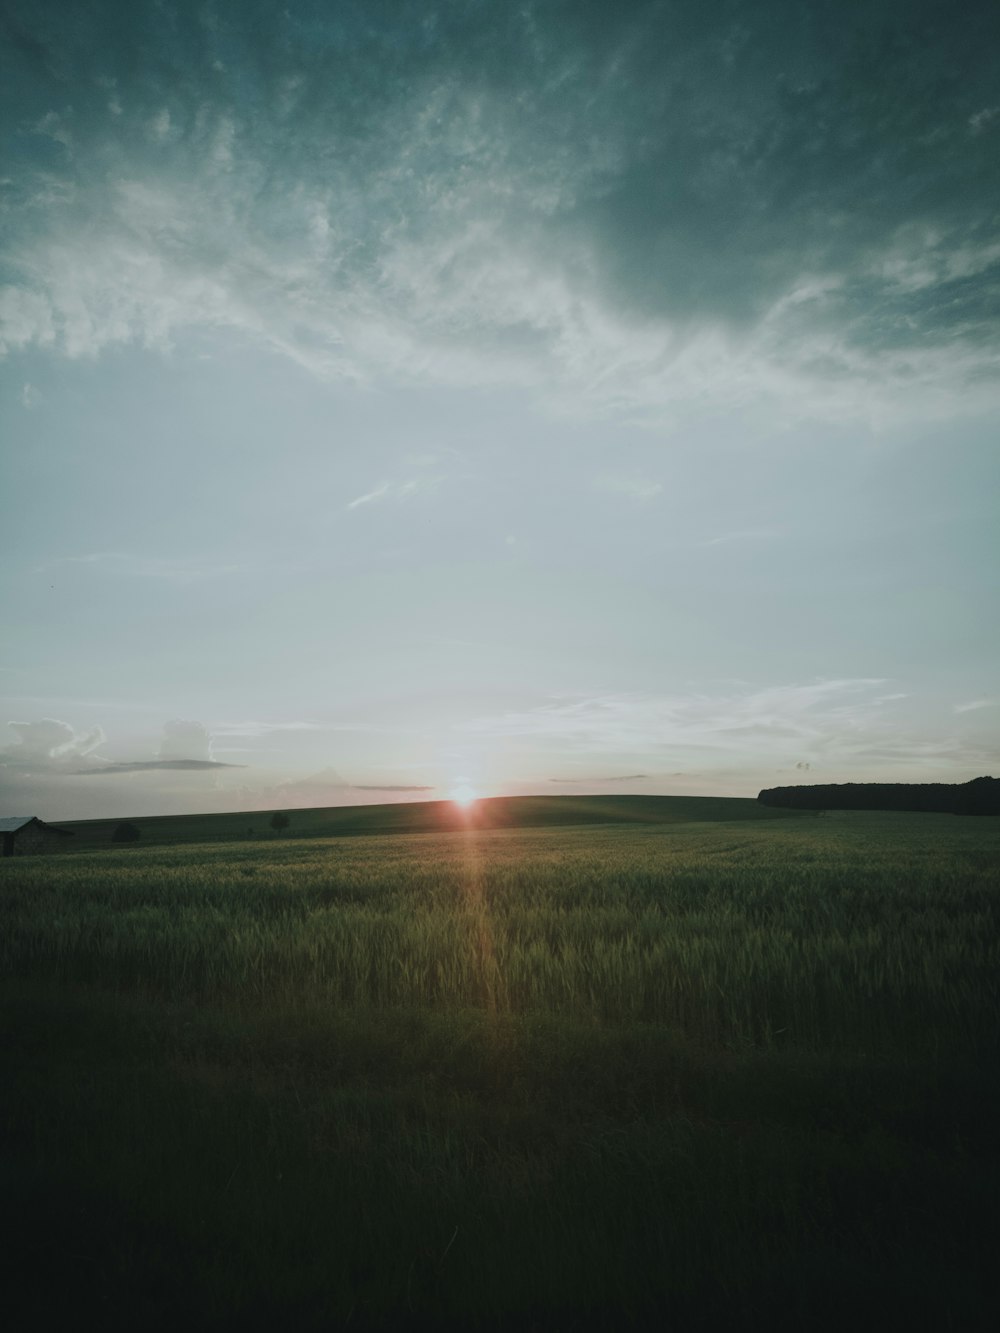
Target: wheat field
489 1079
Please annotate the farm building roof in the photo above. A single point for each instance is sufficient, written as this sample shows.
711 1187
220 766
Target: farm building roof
11 823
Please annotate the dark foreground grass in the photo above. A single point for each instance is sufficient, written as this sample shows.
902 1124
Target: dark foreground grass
540 1134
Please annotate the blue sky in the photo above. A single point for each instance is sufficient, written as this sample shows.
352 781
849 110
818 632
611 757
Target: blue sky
557 397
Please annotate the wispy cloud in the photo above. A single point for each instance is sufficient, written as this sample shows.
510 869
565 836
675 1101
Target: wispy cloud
379 493
975 705
50 743
613 719
374 786
629 241
603 777
154 766
50 746
399 490
327 787
829 719
254 728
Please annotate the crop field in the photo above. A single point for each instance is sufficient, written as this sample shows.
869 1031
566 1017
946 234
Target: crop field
688 1075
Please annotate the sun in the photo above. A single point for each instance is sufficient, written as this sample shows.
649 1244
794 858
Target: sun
462 794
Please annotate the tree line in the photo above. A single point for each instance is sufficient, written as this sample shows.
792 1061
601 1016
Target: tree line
981 796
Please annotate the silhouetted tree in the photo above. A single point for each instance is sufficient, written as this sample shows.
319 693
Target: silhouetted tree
279 821
126 833
981 796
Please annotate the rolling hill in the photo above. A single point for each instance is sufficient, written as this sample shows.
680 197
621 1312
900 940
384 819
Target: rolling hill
428 817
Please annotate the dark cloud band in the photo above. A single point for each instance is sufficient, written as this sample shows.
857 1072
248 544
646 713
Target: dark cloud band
155 766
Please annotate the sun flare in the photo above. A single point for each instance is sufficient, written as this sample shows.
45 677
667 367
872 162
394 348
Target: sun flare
462 794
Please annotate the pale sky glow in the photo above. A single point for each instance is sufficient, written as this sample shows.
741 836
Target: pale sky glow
396 398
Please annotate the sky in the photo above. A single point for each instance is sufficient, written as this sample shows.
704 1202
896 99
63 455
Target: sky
546 397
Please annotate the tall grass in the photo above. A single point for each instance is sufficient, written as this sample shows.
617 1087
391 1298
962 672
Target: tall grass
522 1074
822 940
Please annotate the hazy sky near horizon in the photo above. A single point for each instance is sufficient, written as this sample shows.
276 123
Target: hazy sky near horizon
553 397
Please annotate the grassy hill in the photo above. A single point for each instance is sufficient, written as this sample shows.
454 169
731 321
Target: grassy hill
430 817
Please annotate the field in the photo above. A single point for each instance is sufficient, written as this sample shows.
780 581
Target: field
694 1074
353 821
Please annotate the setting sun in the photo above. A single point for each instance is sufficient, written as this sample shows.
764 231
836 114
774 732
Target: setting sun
462 794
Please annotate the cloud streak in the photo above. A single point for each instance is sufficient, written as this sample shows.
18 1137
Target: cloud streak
370 497
154 766
49 746
642 721
371 786
325 788
841 725
394 491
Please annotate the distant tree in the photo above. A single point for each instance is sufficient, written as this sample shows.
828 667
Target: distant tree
126 833
981 796
279 821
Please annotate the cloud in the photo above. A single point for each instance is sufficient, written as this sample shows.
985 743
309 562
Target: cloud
630 777
253 728
843 728
394 491
634 207
833 720
51 771
975 705
370 497
324 788
155 765
186 741
981 120
30 396
367 786
50 744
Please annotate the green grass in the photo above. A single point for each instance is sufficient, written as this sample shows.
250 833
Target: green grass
649 1075
429 817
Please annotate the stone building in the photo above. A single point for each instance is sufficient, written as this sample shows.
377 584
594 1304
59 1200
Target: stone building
26 836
